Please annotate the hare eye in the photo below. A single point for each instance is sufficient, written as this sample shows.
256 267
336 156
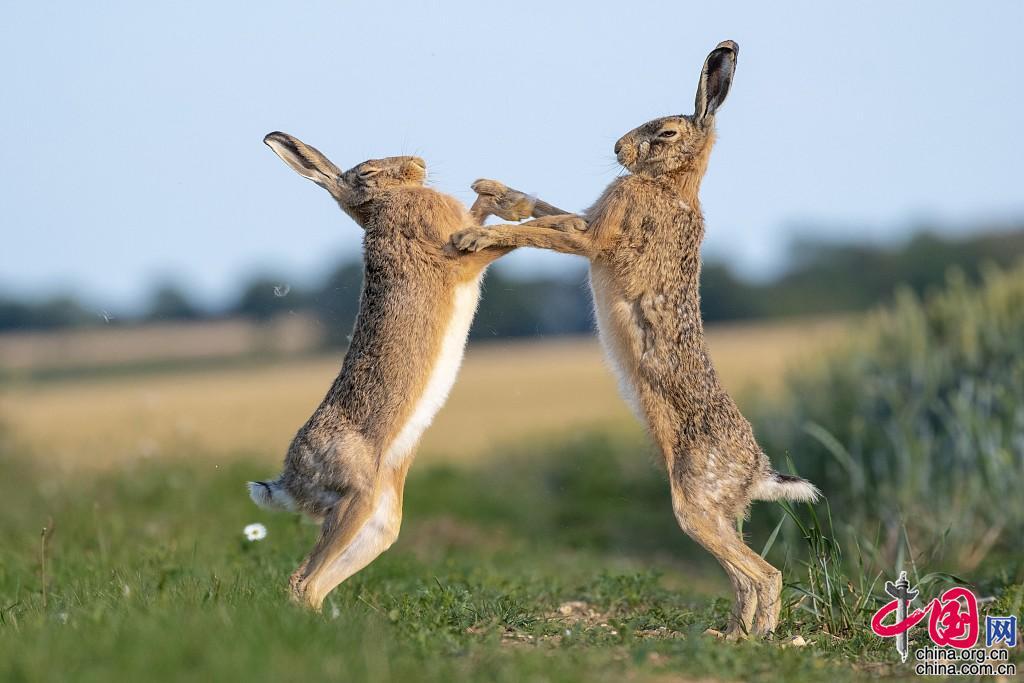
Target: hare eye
667 134
368 173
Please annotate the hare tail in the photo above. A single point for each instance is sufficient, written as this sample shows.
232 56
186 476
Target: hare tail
271 495
777 486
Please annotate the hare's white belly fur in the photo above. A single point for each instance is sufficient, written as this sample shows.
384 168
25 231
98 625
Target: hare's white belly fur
442 377
615 323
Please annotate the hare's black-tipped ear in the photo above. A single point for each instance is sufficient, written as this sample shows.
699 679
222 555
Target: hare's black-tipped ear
715 80
305 160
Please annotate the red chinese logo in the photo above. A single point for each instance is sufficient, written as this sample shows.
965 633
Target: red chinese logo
952 619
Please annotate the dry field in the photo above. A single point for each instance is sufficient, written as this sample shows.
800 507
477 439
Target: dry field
507 392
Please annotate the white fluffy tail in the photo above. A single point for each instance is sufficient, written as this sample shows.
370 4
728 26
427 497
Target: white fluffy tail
785 487
270 495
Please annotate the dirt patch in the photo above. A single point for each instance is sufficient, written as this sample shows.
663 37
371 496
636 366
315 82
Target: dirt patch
570 615
660 633
576 612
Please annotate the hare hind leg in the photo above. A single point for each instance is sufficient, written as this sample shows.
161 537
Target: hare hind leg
369 533
354 534
753 580
340 526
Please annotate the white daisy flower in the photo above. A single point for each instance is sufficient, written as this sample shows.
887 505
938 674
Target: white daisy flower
255 532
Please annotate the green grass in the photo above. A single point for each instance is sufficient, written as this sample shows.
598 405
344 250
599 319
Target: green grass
148 578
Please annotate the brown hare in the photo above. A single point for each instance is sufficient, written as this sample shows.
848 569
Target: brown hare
347 465
643 240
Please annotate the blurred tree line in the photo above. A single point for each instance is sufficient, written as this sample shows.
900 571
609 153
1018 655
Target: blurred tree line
822 277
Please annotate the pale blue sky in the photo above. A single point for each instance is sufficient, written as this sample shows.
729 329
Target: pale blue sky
133 130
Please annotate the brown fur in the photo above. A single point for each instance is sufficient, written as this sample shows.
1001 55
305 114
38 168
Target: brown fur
643 240
338 468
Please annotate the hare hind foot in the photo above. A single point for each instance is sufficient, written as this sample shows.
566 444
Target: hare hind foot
769 603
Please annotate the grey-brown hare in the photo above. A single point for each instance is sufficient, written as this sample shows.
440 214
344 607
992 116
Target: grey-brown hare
347 465
643 240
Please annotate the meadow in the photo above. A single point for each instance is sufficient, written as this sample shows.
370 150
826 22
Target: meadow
538 542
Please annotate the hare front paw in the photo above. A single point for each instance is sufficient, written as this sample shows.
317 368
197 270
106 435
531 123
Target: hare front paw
488 187
473 239
503 201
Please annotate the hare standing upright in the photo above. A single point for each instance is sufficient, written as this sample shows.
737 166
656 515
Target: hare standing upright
348 463
643 240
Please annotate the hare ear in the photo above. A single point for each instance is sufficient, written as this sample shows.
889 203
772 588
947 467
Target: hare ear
715 80
305 160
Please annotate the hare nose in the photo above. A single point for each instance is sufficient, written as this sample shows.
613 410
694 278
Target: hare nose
618 146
